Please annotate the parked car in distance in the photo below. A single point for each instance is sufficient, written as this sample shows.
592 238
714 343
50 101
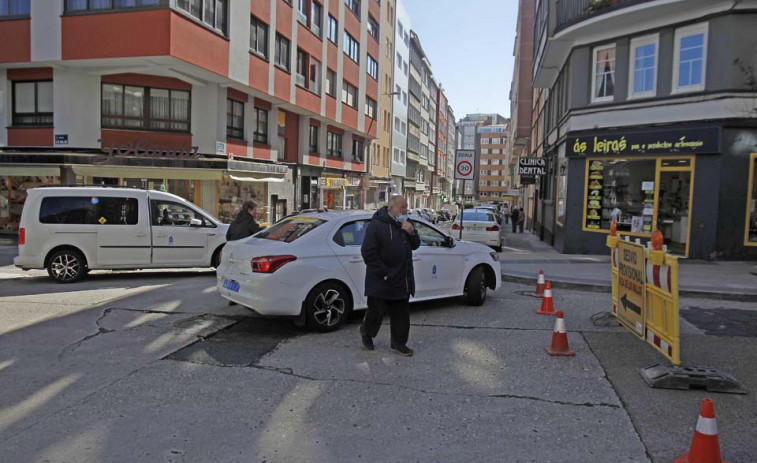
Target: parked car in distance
432 215
479 225
72 230
309 267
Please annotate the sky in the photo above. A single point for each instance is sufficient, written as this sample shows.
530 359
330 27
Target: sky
470 46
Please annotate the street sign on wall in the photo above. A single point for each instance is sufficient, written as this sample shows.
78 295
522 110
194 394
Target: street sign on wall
465 160
631 286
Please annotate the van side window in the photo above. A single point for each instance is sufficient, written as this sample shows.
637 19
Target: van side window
168 213
89 210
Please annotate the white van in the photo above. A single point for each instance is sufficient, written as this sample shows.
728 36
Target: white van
72 230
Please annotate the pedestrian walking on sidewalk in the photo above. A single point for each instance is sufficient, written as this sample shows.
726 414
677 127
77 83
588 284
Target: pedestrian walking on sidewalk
506 214
244 224
514 216
521 219
387 250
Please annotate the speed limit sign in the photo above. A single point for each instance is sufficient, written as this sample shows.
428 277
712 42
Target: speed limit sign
464 162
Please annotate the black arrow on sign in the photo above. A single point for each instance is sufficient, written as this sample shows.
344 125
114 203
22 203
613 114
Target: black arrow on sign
628 305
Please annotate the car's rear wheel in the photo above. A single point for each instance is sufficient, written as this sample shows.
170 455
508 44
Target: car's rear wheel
475 287
327 307
215 261
66 266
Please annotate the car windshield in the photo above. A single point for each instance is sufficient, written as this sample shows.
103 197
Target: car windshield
290 229
478 216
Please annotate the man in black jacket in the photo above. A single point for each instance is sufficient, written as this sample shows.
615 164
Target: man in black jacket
244 225
389 280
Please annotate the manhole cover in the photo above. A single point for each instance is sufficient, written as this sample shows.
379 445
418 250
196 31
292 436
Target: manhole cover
241 344
722 321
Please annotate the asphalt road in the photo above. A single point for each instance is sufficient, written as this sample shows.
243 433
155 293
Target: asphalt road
154 366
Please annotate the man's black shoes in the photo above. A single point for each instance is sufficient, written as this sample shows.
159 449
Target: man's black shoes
403 350
367 340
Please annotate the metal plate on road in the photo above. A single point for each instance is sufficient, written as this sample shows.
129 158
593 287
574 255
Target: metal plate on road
631 286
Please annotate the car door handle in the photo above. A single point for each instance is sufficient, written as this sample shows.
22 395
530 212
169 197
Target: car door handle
356 260
141 234
211 234
415 259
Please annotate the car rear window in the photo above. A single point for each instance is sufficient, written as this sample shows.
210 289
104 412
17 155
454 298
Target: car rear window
89 210
290 229
478 216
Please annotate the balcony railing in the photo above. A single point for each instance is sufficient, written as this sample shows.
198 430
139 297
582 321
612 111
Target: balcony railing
570 12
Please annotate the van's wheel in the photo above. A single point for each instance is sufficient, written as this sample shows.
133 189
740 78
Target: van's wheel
66 266
327 307
475 287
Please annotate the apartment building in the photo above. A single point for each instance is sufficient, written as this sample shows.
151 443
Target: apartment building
645 117
439 178
492 165
451 148
469 140
401 102
217 101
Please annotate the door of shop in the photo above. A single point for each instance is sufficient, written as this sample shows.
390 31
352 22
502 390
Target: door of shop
673 193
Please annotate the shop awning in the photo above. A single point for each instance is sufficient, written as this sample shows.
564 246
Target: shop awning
30 171
148 172
253 177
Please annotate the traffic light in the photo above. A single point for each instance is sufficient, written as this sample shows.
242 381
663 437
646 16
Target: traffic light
444 198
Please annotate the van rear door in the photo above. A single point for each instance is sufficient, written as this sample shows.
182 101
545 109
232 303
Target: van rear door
123 230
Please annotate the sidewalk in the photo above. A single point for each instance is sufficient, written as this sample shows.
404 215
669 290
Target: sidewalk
524 255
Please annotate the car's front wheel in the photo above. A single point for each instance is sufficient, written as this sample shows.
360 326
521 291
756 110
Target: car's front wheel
475 287
66 266
327 307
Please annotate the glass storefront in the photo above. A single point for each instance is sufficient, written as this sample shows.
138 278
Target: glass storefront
232 193
13 195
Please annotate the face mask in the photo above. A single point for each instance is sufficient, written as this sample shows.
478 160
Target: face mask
402 218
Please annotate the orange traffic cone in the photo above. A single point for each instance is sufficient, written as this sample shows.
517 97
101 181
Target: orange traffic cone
705 447
539 285
559 345
547 306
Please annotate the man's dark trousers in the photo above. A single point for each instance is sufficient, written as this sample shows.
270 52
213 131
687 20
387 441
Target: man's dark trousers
399 318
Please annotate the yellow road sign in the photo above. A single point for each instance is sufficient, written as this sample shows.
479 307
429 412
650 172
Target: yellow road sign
631 286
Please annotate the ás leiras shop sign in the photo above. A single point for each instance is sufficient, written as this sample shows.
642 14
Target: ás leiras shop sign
667 141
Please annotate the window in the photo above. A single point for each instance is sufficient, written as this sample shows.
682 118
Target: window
352 234
358 150
313 139
33 103
88 210
399 28
334 144
603 77
145 108
351 47
370 108
168 213
259 37
403 126
92 5
210 12
388 48
302 11
316 18
349 94
428 236
11 8
282 52
396 124
234 119
330 83
301 77
333 30
354 6
260 135
398 92
562 192
288 230
750 234
404 98
399 60
315 76
643 66
690 58
373 29
372 68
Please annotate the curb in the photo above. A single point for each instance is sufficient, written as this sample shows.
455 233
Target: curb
606 288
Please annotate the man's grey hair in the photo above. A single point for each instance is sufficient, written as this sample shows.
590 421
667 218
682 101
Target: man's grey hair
395 200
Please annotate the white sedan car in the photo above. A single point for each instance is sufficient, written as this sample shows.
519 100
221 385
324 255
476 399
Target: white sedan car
479 225
309 267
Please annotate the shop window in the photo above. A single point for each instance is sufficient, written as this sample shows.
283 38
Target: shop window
14 8
621 190
260 135
89 210
232 194
603 75
33 103
259 37
562 192
334 144
690 55
750 235
127 106
234 119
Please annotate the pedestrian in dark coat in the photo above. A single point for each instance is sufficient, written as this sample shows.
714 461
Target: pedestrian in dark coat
521 219
387 250
514 216
244 225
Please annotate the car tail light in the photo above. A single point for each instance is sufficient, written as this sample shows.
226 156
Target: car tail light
493 228
22 236
457 227
269 264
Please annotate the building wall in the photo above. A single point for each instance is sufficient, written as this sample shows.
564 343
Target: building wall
399 109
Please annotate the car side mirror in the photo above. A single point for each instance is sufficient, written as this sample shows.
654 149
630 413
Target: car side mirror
449 241
195 223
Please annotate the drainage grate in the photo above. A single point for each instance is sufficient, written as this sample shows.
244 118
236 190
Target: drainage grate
679 377
722 321
239 345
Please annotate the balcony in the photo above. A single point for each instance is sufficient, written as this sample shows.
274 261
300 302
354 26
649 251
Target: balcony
570 12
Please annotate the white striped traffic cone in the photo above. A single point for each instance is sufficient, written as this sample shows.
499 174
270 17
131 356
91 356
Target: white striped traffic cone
559 345
539 285
547 305
705 447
